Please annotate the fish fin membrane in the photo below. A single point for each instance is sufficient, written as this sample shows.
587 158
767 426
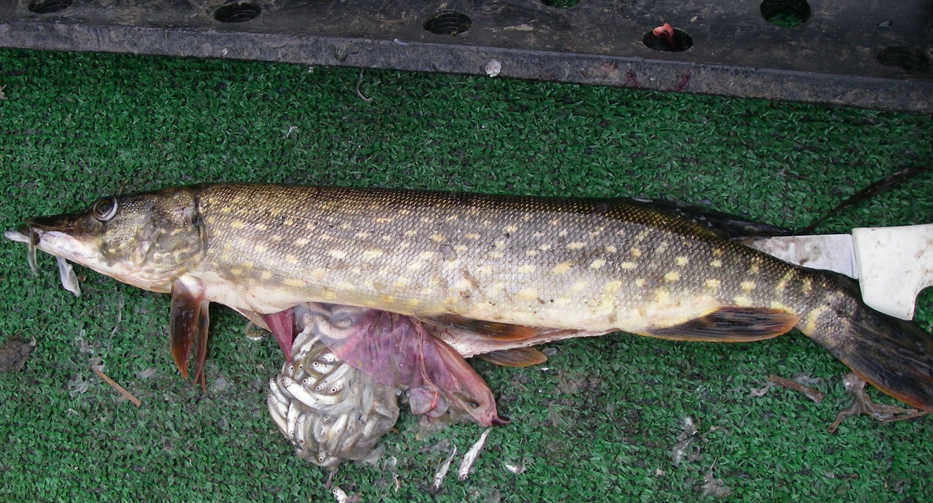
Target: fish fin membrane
893 355
491 329
730 324
188 318
518 357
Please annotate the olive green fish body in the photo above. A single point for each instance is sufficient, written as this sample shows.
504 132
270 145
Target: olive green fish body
587 266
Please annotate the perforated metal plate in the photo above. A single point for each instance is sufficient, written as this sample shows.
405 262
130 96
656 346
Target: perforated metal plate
869 54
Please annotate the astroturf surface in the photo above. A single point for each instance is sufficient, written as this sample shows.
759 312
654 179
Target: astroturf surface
599 421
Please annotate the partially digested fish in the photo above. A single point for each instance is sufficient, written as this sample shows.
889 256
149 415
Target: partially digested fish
468 274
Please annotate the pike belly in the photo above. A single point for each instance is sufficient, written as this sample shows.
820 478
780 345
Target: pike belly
571 264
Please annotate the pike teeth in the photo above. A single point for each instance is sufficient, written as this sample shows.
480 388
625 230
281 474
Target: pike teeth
67 275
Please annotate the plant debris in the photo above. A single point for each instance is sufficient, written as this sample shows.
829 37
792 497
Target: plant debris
798 386
126 394
862 404
13 353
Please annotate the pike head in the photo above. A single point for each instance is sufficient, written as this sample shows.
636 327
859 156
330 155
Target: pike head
145 240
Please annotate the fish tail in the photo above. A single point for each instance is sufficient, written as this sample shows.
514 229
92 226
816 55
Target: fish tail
895 356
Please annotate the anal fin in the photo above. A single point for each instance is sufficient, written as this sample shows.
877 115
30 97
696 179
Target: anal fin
730 324
518 357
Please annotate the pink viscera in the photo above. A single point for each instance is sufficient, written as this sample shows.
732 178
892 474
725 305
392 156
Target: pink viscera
398 350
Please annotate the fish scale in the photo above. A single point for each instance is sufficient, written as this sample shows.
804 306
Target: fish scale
605 264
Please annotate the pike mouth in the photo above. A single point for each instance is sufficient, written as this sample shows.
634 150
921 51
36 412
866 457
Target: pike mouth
32 237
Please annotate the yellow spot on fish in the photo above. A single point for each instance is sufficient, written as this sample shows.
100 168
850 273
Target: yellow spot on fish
400 282
612 287
460 248
265 275
413 302
261 226
554 221
531 253
237 224
544 247
662 247
642 235
628 266
211 219
780 305
672 276
562 233
384 220
561 268
681 260
345 285
372 253
712 283
596 264
742 300
388 299
246 264
337 254
640 282
484 269
236 271
497 288
291 259
496 254
812 318
754 269
561 301
636 252
294 282
362 235
578 286
527 294
747 286
715 263
527 268
487 223
452 218
500 243
426 255
226 209
329 295
510 228
410 233
611 249
261 248
403 211
717 252
310 226
346 226
463 284
318 274
437 237
807 285
471 235
576 245
782 284
537 235
301 241
662 296
325 237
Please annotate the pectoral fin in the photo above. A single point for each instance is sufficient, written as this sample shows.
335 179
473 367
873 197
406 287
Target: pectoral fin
189 318
730 324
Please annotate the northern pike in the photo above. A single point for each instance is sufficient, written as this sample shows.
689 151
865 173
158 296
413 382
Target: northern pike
484 273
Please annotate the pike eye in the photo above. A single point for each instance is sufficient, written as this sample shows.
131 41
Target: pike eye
105 209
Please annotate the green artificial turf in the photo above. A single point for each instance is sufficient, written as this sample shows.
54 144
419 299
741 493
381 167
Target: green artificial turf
598 421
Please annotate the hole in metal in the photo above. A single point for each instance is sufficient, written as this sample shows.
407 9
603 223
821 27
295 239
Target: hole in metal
560 4
48 6
785 13
237 12
675 41
448 23
911 59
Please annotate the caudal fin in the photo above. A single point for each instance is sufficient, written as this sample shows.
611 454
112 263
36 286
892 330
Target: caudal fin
895 356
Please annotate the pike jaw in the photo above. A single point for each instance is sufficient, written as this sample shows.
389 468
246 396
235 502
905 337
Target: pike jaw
144 240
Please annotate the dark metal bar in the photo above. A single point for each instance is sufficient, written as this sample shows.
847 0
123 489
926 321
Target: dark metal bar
842 52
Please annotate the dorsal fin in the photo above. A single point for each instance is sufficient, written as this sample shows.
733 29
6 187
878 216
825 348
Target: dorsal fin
730 324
